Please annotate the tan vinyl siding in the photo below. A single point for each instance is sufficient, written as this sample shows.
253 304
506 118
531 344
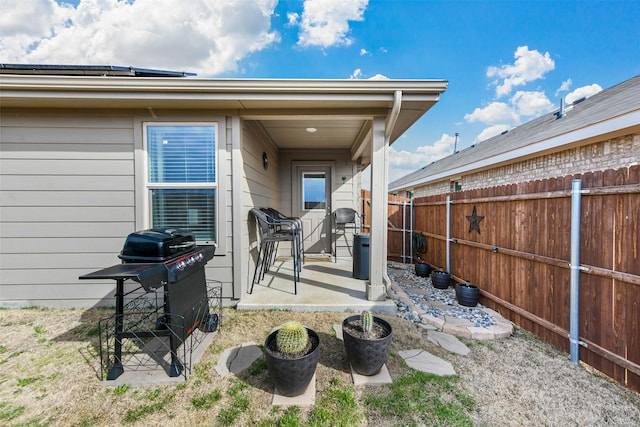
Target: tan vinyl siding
259 189
345 194
68 200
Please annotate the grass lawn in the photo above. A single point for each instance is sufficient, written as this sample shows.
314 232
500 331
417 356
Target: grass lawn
49 376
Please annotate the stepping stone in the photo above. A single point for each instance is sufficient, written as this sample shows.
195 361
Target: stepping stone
419 291
457 326
424 361
428 326
307 398
337 327
448 342
234 360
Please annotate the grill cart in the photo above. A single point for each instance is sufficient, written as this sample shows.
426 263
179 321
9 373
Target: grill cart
171 299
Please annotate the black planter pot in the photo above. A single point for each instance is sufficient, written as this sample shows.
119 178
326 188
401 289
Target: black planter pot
292 376
422 269
440 279
366 355
467 294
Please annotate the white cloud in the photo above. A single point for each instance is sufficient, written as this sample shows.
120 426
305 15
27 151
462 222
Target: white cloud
145 33
531 103
492 131
357 74
404 162
582 92
496 112
292 19
529 65
325 23
364 52
379 77
564 87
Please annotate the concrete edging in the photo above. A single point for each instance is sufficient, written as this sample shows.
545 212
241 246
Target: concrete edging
459 327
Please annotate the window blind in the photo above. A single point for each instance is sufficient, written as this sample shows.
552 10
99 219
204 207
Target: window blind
181 154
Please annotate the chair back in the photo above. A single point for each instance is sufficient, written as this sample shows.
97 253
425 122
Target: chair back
345 216
263 222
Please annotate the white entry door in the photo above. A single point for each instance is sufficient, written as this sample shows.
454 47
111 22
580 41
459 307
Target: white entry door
312 203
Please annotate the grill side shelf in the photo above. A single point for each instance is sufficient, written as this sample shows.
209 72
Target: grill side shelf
150 276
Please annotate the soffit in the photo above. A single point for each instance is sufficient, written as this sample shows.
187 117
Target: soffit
340 110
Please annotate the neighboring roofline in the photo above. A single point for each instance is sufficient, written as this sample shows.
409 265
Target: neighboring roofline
87 70
610 113
614 124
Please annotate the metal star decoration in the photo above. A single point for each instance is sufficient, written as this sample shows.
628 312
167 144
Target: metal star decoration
474 221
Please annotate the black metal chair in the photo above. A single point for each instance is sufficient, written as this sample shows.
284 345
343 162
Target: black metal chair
294 224
270 235
344 219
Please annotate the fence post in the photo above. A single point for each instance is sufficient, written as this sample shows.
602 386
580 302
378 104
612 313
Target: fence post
448 269
412 213
404 231
574 265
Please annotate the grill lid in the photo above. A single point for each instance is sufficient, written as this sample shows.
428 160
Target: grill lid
157 245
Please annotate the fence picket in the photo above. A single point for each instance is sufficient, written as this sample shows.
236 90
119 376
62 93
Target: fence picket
520 258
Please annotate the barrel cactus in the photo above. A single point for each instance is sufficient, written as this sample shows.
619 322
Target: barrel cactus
367 321
292 338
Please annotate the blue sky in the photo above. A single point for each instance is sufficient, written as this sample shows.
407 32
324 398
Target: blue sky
507 62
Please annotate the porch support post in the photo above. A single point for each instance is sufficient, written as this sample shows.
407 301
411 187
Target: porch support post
239 252
376 290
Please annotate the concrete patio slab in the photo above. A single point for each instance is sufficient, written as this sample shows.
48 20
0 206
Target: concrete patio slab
381 378
424 361
324 286
150 367
307 398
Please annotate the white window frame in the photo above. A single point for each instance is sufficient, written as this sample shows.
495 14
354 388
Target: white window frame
144 187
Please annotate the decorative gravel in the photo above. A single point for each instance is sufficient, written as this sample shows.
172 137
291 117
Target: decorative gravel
436 302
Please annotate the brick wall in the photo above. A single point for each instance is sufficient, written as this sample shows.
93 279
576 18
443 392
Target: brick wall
610 154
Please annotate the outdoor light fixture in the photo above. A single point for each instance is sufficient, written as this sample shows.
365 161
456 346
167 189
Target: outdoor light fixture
265 160
311 130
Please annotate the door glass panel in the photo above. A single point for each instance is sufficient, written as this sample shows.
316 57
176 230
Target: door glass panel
314 194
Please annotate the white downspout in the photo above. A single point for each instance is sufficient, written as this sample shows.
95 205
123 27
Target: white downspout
393 115
389 125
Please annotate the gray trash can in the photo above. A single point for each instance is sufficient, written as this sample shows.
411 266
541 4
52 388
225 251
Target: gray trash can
361 256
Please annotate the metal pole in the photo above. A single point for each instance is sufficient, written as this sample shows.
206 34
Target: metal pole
404 232
448 234
411 215
574 316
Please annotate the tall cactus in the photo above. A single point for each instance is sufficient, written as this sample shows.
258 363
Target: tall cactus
292 338
367 321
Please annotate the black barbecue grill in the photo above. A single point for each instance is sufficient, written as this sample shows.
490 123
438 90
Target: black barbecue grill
166 259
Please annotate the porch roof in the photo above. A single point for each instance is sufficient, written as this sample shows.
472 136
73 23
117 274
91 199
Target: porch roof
341 111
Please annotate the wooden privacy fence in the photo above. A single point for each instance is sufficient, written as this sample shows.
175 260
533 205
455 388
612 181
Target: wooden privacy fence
519 255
